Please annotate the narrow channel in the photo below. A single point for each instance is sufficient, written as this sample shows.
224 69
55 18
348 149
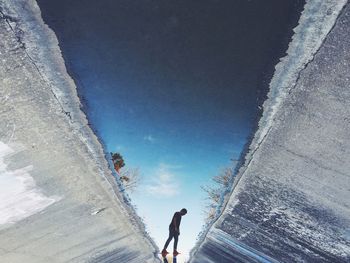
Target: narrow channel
175 87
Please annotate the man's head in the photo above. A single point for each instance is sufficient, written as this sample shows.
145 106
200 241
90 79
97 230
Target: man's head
183 211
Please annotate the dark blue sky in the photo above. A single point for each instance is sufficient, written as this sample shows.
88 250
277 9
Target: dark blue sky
173 85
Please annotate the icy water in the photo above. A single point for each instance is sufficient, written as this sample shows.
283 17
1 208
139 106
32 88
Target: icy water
174 86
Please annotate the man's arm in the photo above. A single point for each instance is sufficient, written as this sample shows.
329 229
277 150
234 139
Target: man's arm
174 224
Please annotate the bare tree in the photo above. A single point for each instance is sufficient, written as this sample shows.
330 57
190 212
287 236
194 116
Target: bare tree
224 178
215 192
130 178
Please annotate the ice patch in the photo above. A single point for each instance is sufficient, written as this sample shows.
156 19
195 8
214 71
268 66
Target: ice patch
19 195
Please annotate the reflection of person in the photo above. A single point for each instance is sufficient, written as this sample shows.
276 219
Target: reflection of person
174 231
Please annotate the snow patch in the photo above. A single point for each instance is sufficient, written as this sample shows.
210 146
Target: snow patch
19 195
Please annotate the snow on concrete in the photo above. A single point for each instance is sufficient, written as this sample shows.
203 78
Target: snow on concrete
19 195
290 204
58 156
291 199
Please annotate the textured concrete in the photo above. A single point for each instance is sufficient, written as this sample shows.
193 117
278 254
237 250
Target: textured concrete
291 202
63 203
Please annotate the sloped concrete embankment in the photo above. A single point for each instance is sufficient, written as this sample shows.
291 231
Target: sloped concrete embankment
291 201
58 199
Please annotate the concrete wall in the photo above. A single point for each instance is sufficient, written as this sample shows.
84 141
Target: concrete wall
59 201
291 202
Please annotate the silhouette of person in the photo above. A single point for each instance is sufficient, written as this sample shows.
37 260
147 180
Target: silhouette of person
174 232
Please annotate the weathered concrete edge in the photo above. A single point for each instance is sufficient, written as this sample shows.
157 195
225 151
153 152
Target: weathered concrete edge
24 18
306 42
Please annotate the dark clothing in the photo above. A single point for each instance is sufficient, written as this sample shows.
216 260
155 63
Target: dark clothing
172 234
177 217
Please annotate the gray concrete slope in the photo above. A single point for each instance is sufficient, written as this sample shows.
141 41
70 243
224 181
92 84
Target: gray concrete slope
63 204
292 199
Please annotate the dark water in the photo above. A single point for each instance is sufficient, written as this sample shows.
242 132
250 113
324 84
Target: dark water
194 56
173 82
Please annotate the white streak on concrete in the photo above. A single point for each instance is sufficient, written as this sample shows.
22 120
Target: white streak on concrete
19 195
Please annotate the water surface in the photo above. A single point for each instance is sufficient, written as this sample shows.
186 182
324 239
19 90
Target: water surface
174 86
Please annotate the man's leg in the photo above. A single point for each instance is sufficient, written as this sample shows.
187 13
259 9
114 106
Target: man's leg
176 239
171 235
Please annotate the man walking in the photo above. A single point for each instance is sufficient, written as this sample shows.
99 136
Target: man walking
174 232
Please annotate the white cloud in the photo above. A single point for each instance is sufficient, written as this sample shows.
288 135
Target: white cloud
120 147
149 138
164 182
